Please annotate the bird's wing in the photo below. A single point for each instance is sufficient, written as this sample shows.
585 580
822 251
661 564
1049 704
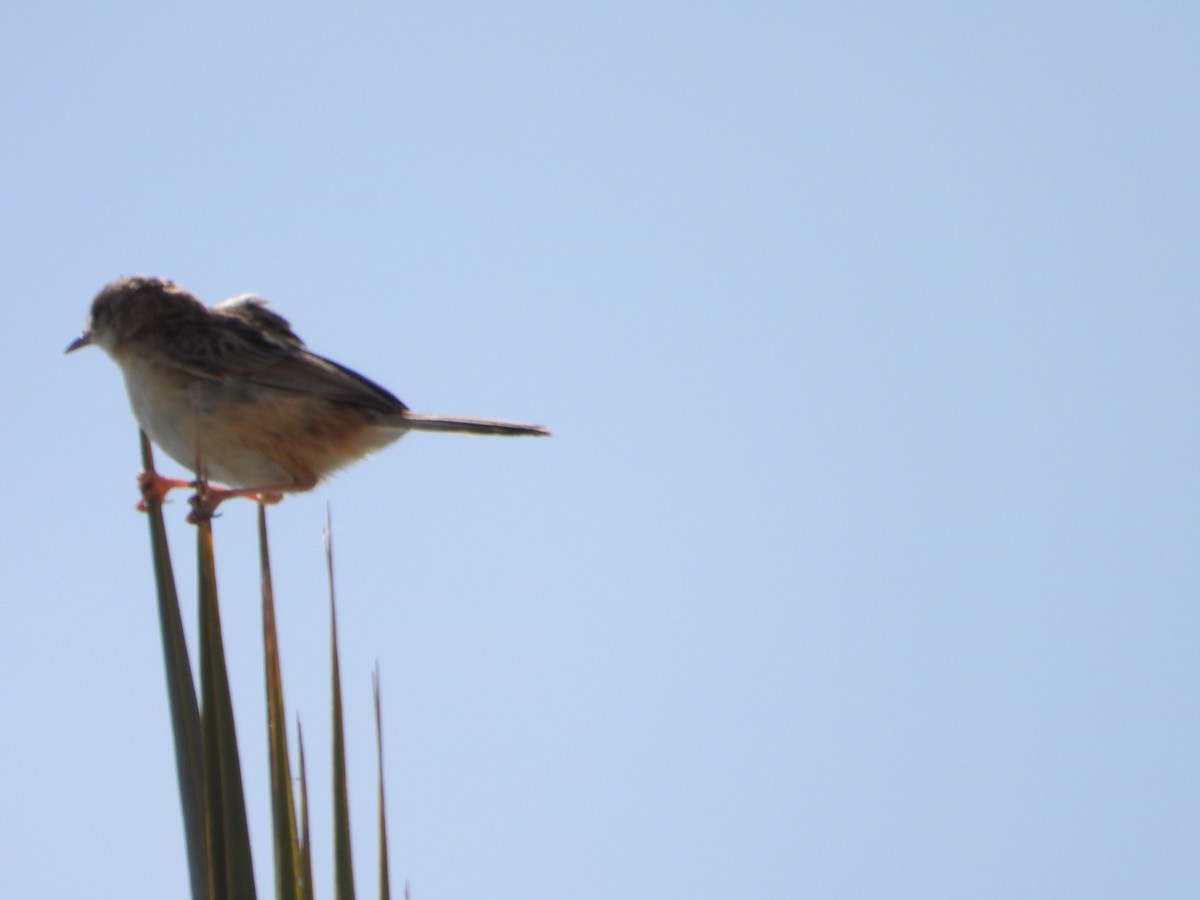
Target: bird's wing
254 311
243 342
302 372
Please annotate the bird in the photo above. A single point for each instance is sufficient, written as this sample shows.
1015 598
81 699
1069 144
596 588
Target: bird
233 394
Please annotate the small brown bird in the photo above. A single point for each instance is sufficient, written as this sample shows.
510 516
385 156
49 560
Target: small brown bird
234 388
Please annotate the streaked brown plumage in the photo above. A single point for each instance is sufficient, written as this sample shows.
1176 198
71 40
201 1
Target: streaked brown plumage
233 386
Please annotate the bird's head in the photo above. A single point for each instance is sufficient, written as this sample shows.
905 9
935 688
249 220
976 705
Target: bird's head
127 306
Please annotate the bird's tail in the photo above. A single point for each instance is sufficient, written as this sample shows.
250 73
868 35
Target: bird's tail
419 422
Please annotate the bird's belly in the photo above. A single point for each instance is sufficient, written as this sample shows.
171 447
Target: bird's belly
196 420
248 435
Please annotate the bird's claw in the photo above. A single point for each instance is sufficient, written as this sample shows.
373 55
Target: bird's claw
154 488
207 498
204 506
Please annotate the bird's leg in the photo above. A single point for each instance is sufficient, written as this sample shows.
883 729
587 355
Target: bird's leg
206 500
155 487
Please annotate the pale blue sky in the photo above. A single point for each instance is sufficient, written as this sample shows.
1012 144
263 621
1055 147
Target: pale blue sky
863 560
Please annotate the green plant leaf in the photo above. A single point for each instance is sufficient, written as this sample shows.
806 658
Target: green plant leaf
283 807
343 863
181 693
230 863
306 882
385 889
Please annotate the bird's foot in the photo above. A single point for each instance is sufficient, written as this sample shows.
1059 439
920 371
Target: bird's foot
204 504
207 498
155 487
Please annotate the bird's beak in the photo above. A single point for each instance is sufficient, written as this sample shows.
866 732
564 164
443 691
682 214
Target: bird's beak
82 341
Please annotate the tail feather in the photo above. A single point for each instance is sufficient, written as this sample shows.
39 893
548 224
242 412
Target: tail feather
419 422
